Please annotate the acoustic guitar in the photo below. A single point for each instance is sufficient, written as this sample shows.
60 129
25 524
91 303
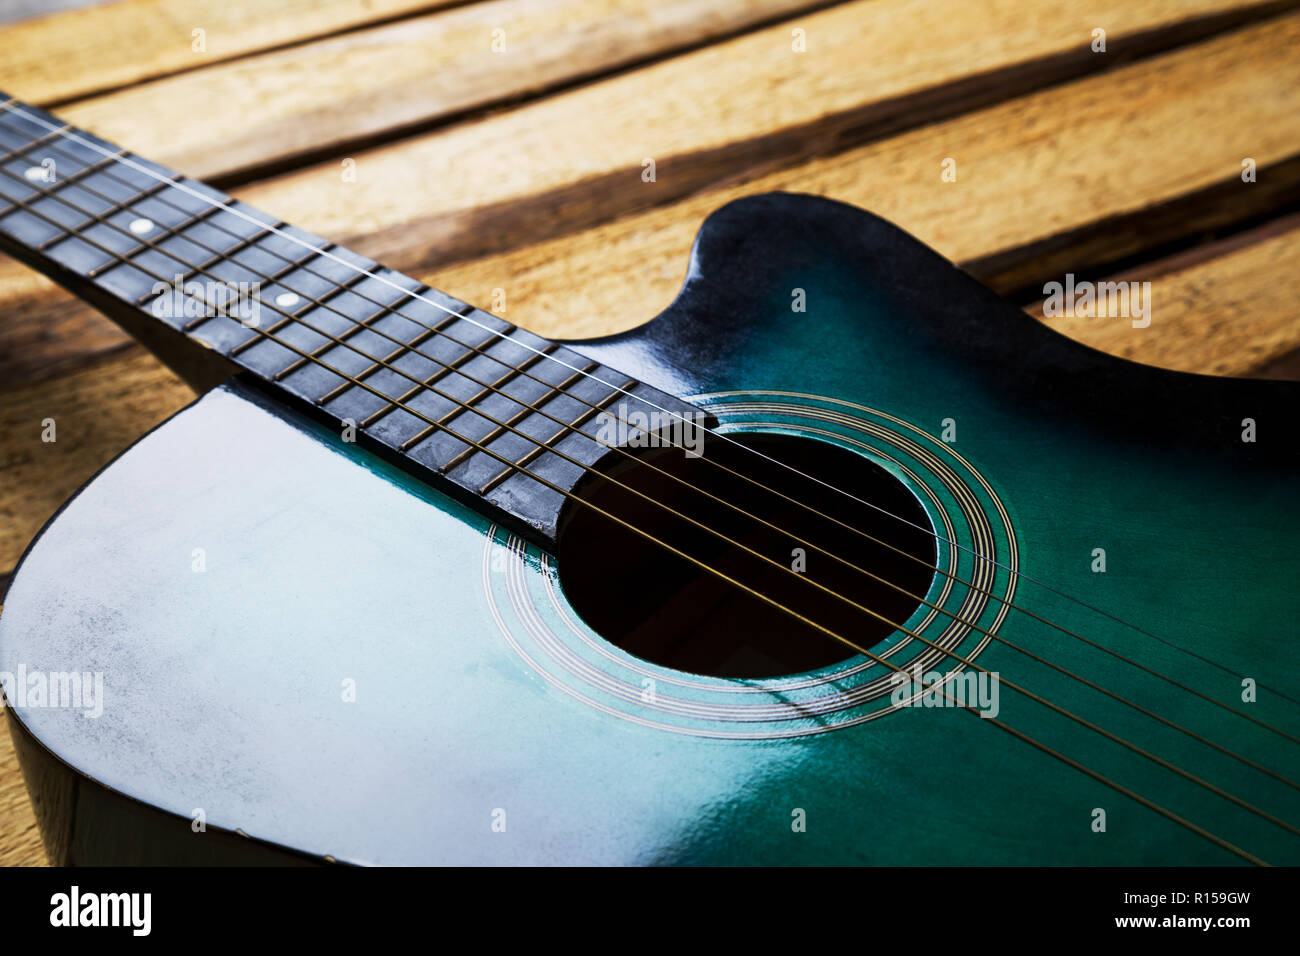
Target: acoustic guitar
840 559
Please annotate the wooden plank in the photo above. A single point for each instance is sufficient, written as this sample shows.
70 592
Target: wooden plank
1225 309
1166 130
45 330
569 287
360 89
104 406
575 160
20 841
257 112
74 53
411 211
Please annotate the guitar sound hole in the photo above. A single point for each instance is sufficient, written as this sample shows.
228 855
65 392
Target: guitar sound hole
668 610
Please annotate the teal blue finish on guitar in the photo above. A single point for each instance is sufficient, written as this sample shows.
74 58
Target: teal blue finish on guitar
307 645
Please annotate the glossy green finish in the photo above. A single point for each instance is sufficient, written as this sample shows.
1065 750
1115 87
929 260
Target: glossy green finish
1200 553
480 690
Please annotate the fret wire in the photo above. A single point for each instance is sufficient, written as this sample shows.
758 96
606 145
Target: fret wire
360 326
513 371
479 349
18 150
290 317
344 386
122 205
393 356
392 309
519 467
9 106
520 415
902 553
174 232
510 373
555 391
71 179
99 166
547 445
447 369
245 242
321 301
122 260
218 257
457 405
621 390
277 277
117 207
36 143
955 577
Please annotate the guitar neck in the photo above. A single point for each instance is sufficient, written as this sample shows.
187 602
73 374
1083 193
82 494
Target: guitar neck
486 411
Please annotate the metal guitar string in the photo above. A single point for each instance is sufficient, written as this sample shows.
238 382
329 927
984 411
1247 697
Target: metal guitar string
809 622
367 356
64 132
559 388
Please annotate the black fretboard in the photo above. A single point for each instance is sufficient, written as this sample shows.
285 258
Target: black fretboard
484 409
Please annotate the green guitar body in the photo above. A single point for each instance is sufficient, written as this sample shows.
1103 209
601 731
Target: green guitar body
307 653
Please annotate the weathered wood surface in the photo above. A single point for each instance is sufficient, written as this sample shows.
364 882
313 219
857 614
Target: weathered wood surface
57 58
522 170
267 109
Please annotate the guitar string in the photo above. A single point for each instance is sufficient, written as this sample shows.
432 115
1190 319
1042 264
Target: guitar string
63 131
345 316
324 252
1038 699
178 230
224 256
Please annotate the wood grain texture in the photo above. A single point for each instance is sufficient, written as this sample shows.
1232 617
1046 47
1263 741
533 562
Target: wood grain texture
320 98
1072 160
506 181
1227 309
1057 170
20 840
566 287
729 112
75 53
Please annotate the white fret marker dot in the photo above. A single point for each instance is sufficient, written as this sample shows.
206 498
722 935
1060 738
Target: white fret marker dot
140 226
286 299
35 173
